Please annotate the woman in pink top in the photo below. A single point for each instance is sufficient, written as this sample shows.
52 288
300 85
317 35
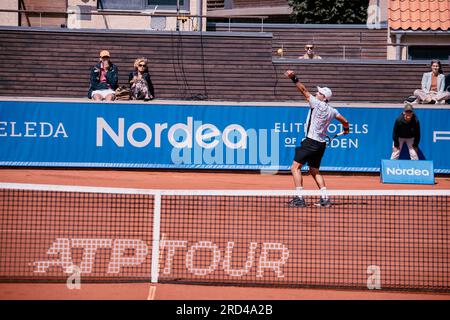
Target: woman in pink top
103 80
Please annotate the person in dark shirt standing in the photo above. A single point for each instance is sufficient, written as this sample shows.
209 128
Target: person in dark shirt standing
406 130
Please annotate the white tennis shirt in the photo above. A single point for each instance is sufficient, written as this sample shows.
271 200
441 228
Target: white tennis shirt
321 114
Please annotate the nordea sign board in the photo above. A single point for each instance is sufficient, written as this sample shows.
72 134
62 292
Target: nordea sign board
407 171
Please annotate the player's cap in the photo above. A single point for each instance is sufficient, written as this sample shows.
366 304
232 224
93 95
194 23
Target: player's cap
104 53
325 91
408 107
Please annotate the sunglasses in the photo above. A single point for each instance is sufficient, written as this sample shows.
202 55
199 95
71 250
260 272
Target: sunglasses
309 48
142 65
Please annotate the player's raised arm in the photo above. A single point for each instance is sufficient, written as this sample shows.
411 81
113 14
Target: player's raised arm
291 75
344 122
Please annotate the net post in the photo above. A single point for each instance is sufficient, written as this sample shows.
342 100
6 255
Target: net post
156 234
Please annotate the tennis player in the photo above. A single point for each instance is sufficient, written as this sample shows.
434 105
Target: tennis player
313 146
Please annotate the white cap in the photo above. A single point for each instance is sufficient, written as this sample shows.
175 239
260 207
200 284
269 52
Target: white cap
326 92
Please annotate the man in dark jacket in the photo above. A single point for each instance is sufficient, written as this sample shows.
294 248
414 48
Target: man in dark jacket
406 130
103 79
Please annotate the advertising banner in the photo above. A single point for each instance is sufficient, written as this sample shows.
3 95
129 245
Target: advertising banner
190 136
405 171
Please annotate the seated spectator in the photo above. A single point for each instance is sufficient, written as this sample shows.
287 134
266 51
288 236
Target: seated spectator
433 86
447 82
140 82
309 48
104 78
447 85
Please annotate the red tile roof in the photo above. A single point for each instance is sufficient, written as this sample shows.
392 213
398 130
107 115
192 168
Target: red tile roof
419 14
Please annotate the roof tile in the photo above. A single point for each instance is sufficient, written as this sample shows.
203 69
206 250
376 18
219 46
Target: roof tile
419 14
394 5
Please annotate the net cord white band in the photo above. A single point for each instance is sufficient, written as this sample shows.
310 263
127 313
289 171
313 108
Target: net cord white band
162 192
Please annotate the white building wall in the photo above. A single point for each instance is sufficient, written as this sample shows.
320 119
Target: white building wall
9 18
82 18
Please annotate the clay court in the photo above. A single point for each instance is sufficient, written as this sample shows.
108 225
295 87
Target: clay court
146 179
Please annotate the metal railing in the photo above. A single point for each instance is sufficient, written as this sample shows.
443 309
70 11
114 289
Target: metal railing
182 15
349 51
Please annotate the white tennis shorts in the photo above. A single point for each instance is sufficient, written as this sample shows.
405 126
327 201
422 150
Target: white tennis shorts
103 92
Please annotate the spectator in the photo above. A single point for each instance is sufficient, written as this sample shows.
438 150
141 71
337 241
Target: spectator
433 86
309 48
104 78
447 85
140 82
406 130
447 82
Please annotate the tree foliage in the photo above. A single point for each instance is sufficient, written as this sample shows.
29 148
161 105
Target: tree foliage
329 11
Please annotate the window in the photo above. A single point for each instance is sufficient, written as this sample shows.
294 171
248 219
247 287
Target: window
428 52
168 4
120 4
142 4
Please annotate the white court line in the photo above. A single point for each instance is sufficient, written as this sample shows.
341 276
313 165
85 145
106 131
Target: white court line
151 292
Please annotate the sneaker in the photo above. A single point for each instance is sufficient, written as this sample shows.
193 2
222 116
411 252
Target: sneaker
324 203
297 202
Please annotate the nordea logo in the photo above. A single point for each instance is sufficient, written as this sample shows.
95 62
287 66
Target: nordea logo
409 172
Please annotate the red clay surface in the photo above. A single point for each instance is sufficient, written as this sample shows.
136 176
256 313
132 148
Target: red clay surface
198 180
194 180
145 291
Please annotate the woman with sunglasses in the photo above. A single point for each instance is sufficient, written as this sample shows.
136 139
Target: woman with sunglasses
140 82
309 48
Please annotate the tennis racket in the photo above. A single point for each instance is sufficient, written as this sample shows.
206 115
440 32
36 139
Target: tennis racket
329 139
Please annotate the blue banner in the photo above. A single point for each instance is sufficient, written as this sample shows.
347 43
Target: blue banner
407 171
125 135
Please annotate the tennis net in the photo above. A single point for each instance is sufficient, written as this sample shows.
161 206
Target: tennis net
386 239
